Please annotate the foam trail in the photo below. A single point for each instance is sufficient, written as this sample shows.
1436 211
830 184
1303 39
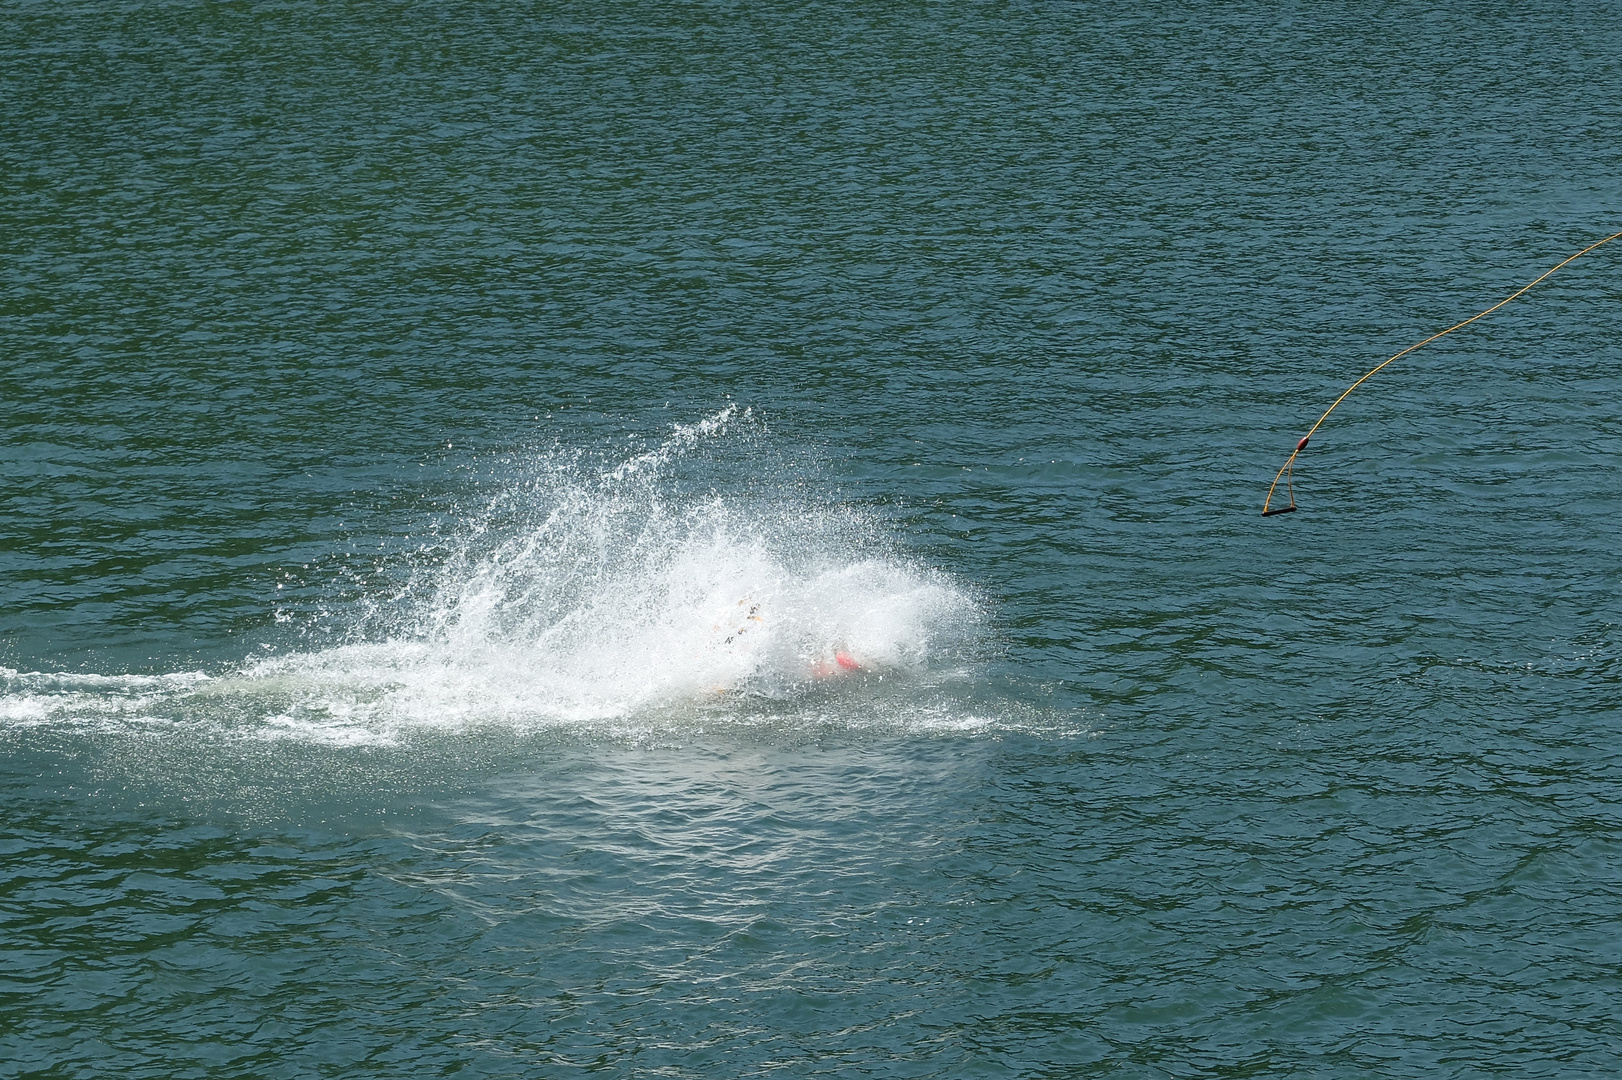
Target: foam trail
585 595
30 698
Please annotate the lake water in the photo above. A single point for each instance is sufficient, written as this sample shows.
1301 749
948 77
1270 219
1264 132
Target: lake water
718 540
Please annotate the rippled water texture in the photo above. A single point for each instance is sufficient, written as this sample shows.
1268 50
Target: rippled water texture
721 540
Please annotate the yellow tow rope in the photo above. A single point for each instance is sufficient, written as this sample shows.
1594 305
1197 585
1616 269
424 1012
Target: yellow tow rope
1287 472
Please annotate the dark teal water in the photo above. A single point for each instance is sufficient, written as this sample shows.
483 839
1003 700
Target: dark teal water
446 450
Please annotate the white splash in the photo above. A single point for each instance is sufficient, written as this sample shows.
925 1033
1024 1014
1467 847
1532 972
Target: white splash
586 595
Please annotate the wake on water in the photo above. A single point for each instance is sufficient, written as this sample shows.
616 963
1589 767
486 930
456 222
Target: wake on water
601 595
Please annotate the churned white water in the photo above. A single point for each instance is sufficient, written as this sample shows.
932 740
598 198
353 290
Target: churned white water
585 593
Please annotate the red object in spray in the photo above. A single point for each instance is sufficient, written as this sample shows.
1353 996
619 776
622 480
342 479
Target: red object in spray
846 661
